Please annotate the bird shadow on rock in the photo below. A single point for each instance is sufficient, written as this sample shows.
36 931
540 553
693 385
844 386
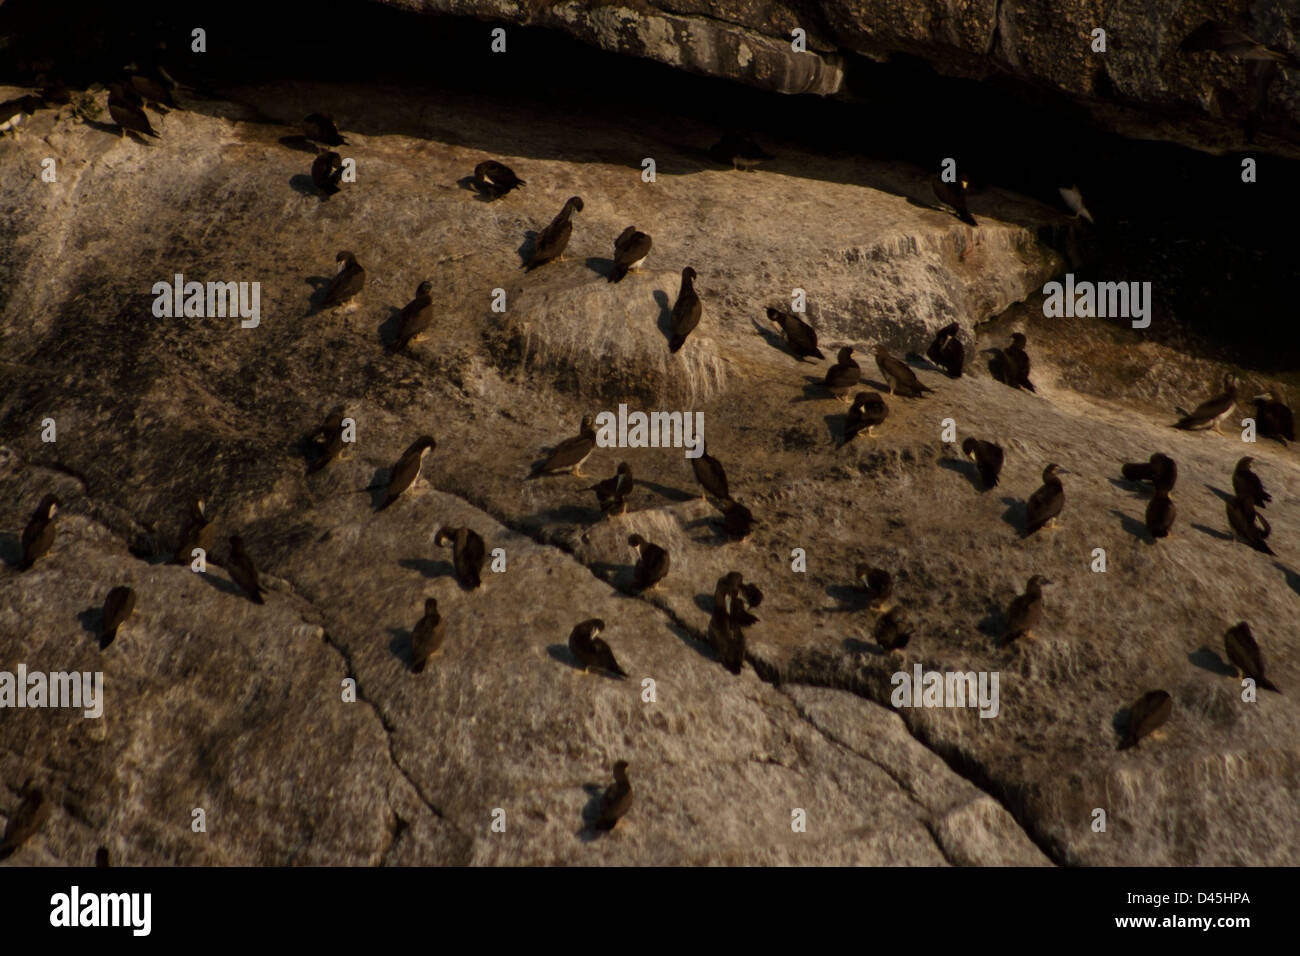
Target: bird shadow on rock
300 143
837 427
319 286
1137 529
849 598
773 338
965 468
994 622
92 621
1223 495
601 266
617 576
1212 532
223 585
591 813
399 645
378 487
1016 515
562 514
665 320
527 247
470 184
304 184
1119 722
881 387
388 328
562 654
1209 660
1292 577
1138 489
428 568
814 390
666 491
855 645
11 549
997 365
704 602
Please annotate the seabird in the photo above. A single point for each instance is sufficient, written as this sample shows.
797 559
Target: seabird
727 640
616 800
320 128
987 457
127 111
1025 610
946 351
467 555
1246 484
1273 419
426 636
1160 514
407 468
1074 199
902 380
799 335
1247 524
495 179
686 311
154 94
118 606
14 111
842 377
710 473
416 317
39 533
868 411
735 597
1046 503
737 520
25 821
199 533
348 280
1245 655
551 241
611 493
652 563
590 651
740 151
326 171
1147 715
1017 363
571 452
954 195
876 582
891 631
242 570
1159 469
1210 412
630 249
331 431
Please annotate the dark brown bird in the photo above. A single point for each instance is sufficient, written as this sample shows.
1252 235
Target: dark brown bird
495 179
243 571
1146 716
630 250
1160 470
843 376
328 440
1246 483
1248 525
611 493
686 311
416 317
616 800
710 473
198 533
326 171
891 631
1025 611
799 335
426 636
740 150
954 195
118 605
38 536
1245 655
468 554
320 128
570 453
737 520
868 411
552 241
652 563
735 597
902 380
987 458
947 352
349 279
1210 412
1160 514
590 651
1045 504
877 583
127 111
1016 359
25 821
727 640
1273 419
407 468
153 93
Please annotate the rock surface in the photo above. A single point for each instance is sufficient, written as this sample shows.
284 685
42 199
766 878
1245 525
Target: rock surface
214 702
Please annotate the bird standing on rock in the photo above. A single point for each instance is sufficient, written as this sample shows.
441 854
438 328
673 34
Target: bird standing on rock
406 469
495 179
987 458
686 311
867 411
1212 411
652 563
38 536
799 335
843 376
630 250
1246 484
326 171
590 651
426 636
554 239
616 800
1045 504
349 279
570 453
902 380
946 351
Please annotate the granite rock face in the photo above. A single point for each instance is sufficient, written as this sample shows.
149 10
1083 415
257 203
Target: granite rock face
1140 86
212 702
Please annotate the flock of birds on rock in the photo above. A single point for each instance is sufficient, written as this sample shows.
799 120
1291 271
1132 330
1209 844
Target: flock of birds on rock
733 597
